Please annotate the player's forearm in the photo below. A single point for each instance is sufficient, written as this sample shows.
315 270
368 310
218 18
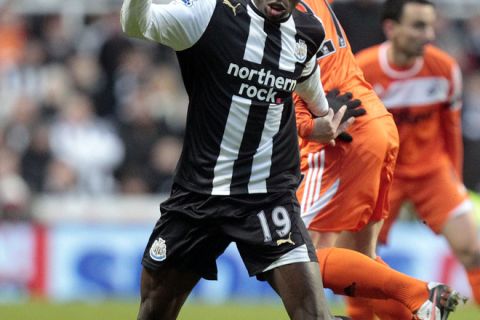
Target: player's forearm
304 118
311 91
135 17
308 127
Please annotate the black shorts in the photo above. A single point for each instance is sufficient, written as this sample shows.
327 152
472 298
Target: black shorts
195 229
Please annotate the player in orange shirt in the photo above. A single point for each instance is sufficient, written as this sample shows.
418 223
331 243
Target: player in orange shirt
370 162
344 192
421 86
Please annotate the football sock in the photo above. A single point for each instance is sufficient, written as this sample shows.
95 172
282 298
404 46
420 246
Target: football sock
351 273
367 309
474 280
390 309
360 308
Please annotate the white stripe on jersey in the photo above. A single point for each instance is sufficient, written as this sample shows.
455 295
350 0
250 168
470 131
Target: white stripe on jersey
230 146
256 38
262 160
287 60
456 95
416 92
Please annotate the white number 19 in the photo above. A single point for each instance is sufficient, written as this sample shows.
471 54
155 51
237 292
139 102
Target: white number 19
280 219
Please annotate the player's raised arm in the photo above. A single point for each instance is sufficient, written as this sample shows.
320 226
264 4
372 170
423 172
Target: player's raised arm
135 16
178 24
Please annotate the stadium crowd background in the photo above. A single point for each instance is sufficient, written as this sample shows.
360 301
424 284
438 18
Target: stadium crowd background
85 111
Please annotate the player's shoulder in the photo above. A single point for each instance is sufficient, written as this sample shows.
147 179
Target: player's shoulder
368 56
304 12
433 54
308 22
310 6
439 62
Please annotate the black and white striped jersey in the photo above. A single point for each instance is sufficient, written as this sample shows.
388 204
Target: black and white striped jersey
239 71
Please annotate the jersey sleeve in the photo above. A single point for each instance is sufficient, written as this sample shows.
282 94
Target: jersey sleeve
179 24
455 96
451 122
310 89
303 117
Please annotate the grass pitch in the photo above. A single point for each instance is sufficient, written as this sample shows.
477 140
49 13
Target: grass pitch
127 310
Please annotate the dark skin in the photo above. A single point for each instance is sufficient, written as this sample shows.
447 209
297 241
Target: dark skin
276 10
164 291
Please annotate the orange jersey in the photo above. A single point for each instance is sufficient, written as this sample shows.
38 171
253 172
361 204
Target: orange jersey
425 102
338 70
345 186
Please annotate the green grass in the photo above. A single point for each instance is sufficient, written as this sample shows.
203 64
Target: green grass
120 310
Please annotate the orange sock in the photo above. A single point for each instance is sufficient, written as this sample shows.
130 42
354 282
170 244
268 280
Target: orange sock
353 274
367 309
390 309
360 308
474 280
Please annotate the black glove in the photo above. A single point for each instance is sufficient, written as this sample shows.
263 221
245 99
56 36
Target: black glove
345 137
337 100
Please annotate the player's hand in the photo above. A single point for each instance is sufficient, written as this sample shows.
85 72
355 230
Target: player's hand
336 100
329 127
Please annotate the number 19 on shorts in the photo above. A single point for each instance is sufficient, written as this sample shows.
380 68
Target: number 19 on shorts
281 222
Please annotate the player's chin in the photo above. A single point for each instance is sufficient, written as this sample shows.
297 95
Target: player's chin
416 52
276 18
420 51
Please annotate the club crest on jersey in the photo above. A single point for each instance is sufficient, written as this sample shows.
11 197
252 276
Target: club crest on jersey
300 50
158 250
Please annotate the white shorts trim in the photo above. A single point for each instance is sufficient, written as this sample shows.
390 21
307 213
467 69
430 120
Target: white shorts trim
299 254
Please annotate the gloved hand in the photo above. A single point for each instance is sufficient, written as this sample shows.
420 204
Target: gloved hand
336 100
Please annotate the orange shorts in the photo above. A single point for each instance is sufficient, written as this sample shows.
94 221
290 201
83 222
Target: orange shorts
436 197
346 186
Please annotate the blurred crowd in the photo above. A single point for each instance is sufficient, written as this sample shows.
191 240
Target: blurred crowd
88 111
85 110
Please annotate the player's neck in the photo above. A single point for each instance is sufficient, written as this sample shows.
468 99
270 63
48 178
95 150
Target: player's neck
399 59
